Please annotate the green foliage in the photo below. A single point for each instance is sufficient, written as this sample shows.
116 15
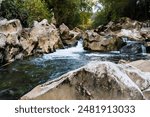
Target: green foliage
37 10
85 18
85 14
11 9
101 18
71 12
27 11
65 11
115 9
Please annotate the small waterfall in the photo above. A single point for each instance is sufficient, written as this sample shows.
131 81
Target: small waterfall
72 52
133 47
80 45
78 48
143 49
125 39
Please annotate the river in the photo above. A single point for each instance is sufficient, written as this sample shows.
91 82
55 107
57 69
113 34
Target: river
21 76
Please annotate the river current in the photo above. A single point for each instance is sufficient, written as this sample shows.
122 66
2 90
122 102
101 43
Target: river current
21 76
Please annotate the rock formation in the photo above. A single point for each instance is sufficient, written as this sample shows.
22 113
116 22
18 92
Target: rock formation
17 42
44 37
69 37
124 28
97 80
10 33
96 42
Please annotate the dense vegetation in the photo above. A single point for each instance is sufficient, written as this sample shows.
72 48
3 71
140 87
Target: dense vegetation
74 12
25 10
114 9
71 12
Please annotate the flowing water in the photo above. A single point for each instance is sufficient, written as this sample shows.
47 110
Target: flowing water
21 76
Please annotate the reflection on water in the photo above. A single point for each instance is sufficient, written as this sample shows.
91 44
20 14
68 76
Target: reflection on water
21 76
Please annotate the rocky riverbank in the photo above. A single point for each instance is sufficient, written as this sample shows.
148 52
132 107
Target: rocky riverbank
17 42
111 37
102 79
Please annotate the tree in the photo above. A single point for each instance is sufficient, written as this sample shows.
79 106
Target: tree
37 10
25 10
115 9
11 9
70 12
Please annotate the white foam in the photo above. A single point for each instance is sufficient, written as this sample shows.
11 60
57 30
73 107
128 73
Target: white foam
73 52
112 53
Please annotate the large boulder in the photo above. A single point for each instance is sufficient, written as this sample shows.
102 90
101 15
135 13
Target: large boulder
27 43
17 42
124 23
69 37
124 27
45 36
131 34
97 80
96 42
64 31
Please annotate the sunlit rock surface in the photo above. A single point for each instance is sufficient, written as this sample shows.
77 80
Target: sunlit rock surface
69 37
125 27
10 33
17 42
10 27
46 35
129 29
96 42
97 80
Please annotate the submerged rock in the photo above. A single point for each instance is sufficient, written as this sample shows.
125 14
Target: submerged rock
133 49
97 80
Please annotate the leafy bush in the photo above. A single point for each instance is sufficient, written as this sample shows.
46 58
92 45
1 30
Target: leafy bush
101 18
37 10
11 9
25 10
71 12
115 9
